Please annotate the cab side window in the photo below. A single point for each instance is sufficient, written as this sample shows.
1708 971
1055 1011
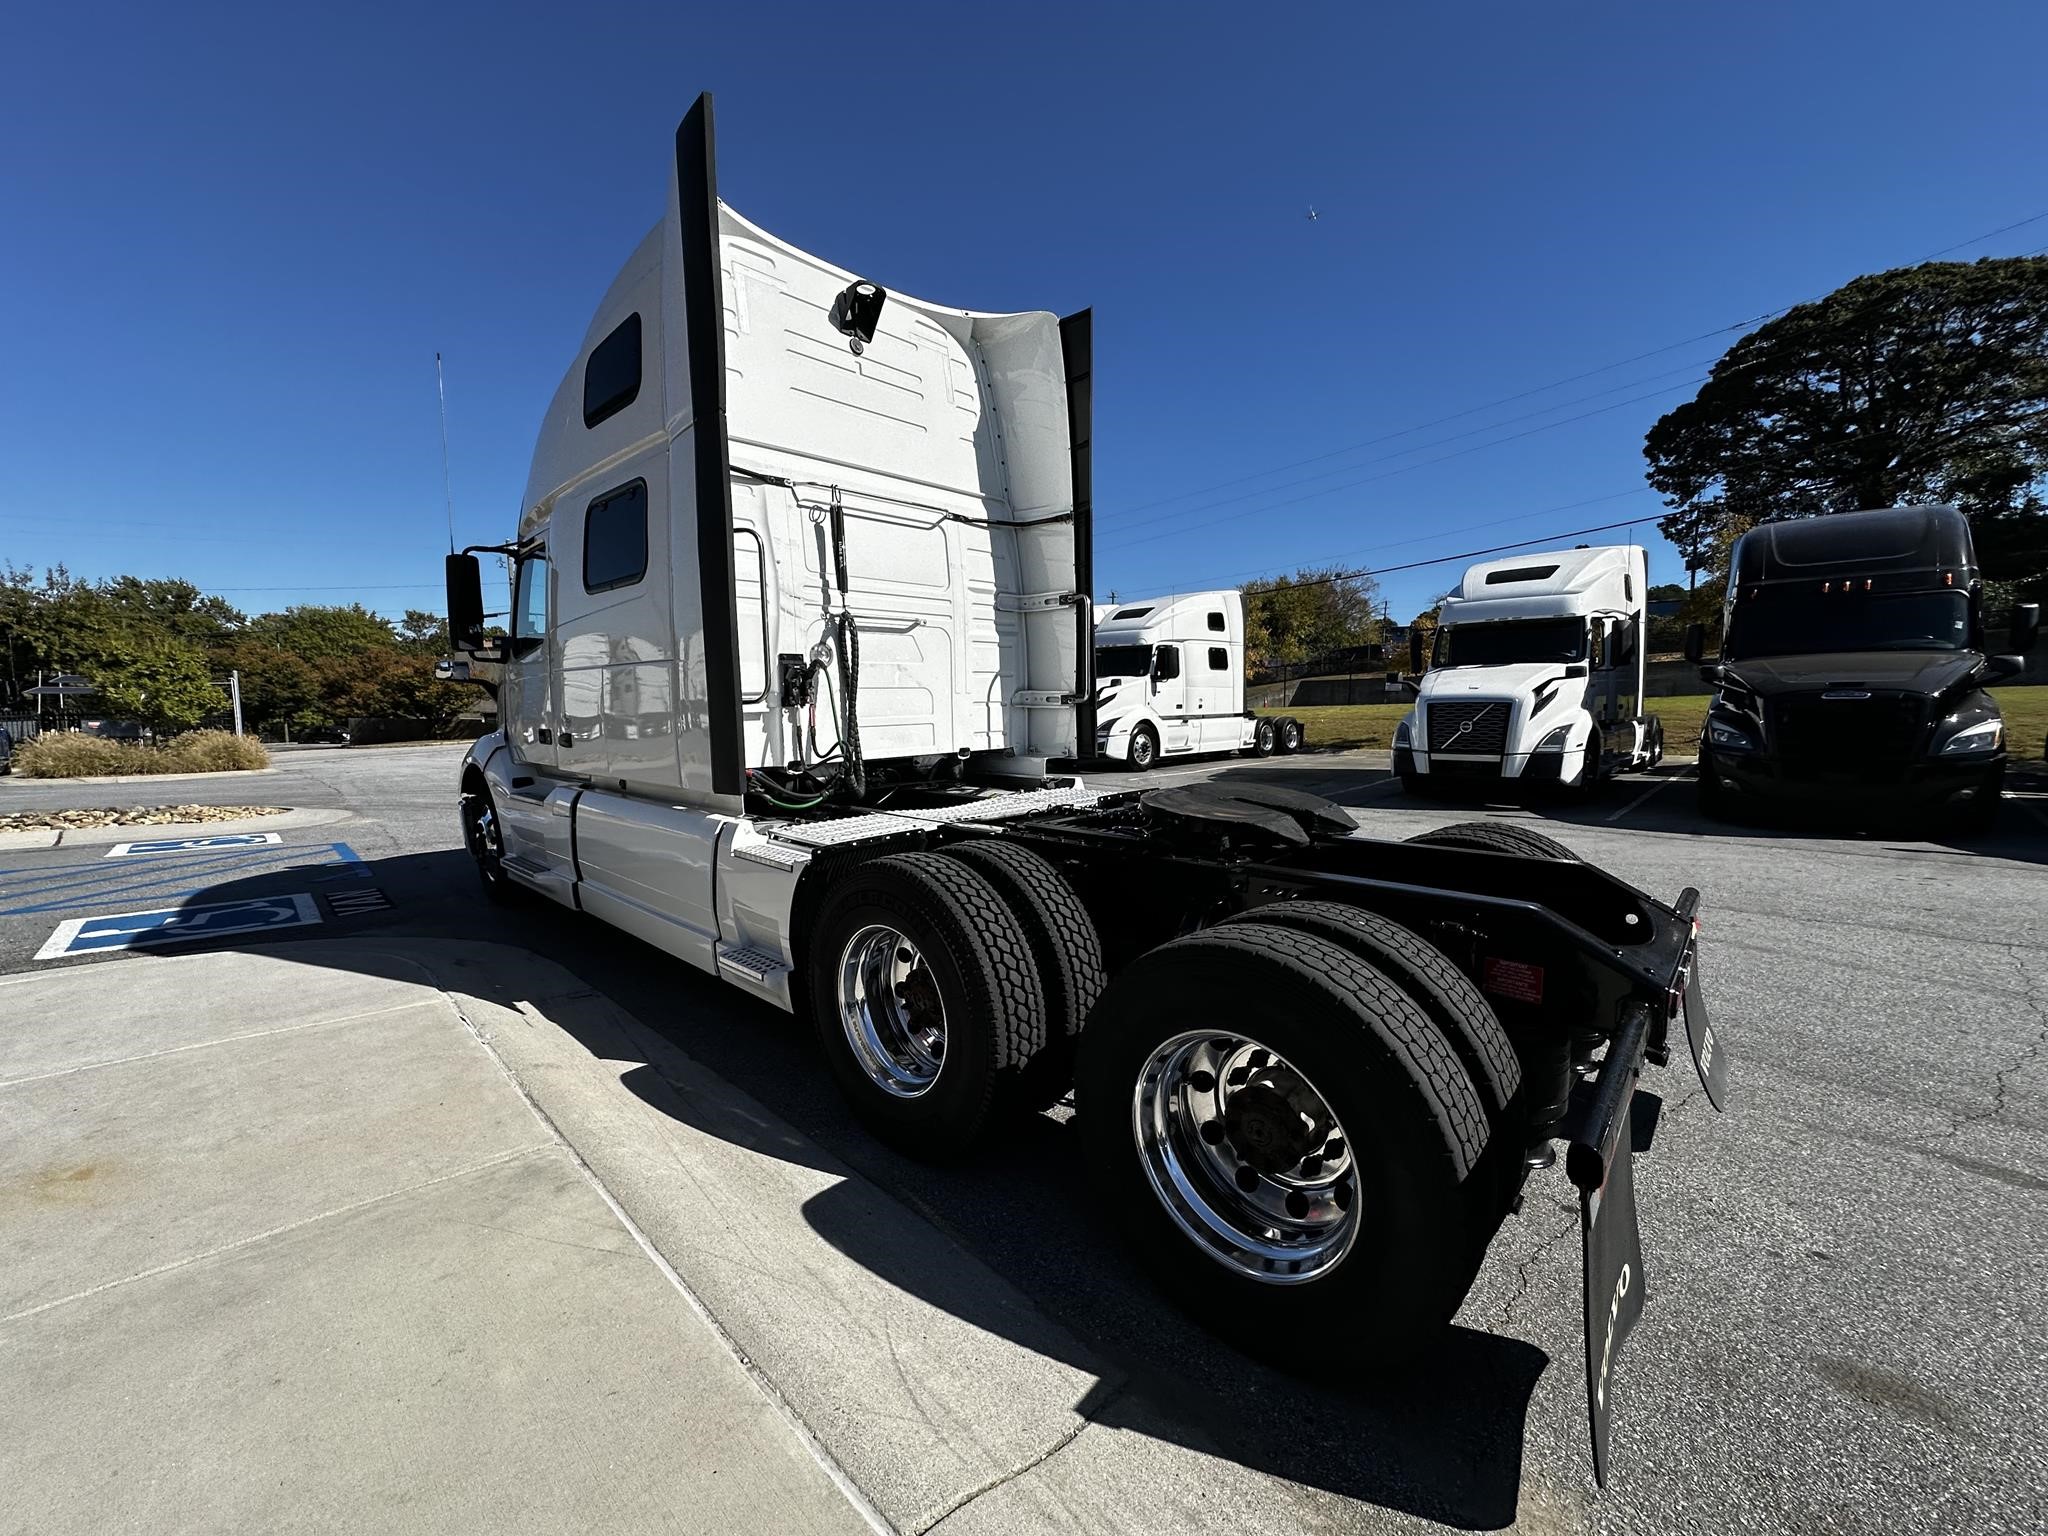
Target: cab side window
1596 651
1166 663
530 608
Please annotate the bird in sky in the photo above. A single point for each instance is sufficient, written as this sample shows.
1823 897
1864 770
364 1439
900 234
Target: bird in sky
1312 215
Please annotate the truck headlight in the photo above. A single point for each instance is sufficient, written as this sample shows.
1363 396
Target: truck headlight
1555 741
1404 733
1984 736
1722 734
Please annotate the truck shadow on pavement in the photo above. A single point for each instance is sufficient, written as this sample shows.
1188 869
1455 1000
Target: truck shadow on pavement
1444 1443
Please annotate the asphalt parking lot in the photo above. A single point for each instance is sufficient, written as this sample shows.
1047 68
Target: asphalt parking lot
1844 1329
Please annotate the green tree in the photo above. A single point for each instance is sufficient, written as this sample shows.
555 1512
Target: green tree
400 686
174 607
311 631
1925 383
423 632
1290 619
164 683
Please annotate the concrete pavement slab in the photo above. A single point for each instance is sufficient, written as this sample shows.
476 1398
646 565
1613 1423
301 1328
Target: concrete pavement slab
489 1353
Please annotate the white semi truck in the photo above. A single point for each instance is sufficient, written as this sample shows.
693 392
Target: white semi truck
798 615
1536 676
1169 682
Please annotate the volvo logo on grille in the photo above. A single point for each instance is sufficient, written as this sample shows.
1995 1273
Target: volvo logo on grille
1847 693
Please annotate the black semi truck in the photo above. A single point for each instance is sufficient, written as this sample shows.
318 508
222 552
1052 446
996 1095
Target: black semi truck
1853 670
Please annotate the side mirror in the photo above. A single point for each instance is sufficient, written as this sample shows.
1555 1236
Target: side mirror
1577 669
1415 656
1711 674
465 603
1695 642
2004 666
2025 627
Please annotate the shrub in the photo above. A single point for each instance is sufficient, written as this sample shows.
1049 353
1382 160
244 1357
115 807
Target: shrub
214 752
72 755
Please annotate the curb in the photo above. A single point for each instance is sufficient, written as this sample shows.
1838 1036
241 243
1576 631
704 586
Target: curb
153 778
96 837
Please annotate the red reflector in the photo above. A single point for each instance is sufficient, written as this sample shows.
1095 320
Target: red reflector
1512 979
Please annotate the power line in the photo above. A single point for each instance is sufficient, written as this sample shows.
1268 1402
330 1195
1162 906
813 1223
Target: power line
1470 554
1424 447
1575 378
1147 538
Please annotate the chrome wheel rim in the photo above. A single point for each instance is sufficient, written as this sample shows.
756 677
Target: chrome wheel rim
1141 751
891 1011
1246 1156
485 845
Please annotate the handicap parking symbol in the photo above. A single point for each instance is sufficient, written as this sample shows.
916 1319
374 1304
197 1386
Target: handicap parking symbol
193 844
171 925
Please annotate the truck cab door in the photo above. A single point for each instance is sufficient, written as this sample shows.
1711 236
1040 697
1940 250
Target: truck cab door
1170 698
529 689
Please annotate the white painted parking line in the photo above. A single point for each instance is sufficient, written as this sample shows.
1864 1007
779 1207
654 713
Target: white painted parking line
1639 799
172 925
193 844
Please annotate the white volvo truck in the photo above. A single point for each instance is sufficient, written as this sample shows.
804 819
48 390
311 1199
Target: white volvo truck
1169 682
798 616
1536 677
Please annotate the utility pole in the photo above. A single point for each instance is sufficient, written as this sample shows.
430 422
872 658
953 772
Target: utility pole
235 693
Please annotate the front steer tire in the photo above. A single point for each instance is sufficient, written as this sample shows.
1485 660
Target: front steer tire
973 975
1065 948
1415 1123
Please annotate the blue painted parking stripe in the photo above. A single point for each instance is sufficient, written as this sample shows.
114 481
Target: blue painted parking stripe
104 885
175 925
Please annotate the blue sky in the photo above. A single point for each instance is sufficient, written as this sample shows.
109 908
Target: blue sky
232 239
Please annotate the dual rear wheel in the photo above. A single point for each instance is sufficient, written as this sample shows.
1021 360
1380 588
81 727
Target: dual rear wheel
1291 1115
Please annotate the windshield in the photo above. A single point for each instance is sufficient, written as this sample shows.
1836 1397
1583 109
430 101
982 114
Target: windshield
1519 640
1784 622
1123 661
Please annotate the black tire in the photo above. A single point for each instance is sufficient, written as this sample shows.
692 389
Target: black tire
1395 1087
973 955
1144 749
1065 948
1497 837
483 833
1292 734
1589 784
1413 783
1708 796
1980 817
1421 970
1264 736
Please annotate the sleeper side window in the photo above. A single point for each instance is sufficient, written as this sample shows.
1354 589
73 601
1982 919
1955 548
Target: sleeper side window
615 539
1219 659
611 379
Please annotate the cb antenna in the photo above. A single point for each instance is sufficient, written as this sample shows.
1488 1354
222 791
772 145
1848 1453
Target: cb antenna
447 493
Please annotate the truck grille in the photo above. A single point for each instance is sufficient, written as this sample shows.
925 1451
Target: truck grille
1884 728
1473 726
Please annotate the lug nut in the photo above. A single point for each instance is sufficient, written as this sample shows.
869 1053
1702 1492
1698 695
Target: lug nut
1311 1166
1239 1076
1202 1082
1247 1177
1212 1132
1334 1148
1297 1205
1261 1059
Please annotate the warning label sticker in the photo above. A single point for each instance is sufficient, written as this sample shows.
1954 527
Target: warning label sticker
1512 979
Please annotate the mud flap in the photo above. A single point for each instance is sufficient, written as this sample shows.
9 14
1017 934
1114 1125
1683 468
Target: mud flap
1614 1287
1707 1052
1601 1162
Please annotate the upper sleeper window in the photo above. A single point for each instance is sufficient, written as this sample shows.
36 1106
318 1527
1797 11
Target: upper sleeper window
1520 573
1216 622
615 539
611 379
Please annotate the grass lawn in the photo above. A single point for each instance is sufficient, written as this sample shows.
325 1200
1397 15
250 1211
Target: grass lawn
1372 725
